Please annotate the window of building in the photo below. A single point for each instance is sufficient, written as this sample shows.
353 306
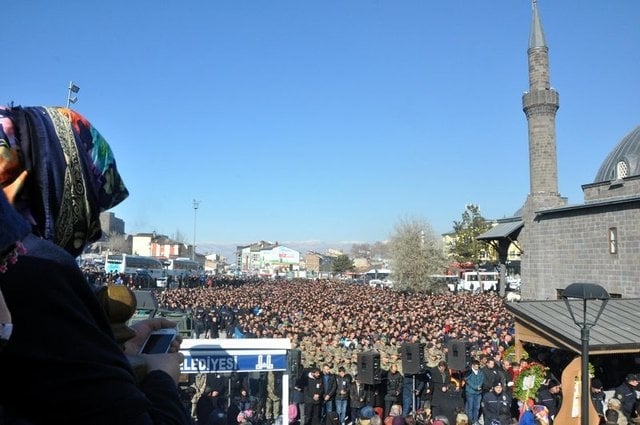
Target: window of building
622 170
613 240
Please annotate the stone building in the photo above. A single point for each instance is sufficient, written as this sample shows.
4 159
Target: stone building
110 224
597 241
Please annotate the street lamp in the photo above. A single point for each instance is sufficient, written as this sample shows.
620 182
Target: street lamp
72 89
195 210
571 295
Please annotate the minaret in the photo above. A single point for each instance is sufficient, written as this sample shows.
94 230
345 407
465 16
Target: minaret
540 104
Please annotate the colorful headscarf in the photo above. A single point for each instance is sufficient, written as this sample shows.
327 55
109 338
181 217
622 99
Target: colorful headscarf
59 172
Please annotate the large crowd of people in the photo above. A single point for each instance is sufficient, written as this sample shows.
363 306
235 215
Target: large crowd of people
331 321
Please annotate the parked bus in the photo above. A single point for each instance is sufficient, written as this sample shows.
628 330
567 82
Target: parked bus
470 281
181 267
135 264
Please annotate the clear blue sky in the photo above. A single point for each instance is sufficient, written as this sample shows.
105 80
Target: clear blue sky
325 120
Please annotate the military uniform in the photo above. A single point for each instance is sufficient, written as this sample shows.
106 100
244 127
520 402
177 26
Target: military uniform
274 388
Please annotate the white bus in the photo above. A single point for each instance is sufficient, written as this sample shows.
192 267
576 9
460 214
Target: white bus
135 264
181 267
470 281
448 281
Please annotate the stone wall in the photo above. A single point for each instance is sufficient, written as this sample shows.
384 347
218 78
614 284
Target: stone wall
570 245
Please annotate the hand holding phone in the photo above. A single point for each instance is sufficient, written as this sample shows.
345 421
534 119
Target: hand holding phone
159 341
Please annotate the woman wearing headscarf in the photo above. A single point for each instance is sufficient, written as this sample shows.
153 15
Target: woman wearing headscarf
59 174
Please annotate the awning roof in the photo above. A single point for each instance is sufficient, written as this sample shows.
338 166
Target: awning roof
548 323
502 230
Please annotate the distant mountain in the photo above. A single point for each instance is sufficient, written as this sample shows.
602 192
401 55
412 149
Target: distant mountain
229 250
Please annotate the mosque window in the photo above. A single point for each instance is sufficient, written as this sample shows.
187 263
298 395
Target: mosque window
622 170
613 240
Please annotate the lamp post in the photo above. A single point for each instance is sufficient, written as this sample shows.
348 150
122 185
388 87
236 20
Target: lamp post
586 292
195 210
72 89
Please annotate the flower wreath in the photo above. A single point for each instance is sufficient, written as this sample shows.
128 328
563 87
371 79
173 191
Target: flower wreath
528 381
510 354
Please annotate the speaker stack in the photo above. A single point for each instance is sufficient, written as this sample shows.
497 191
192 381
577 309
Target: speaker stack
294 358
369 368
412 358
458 354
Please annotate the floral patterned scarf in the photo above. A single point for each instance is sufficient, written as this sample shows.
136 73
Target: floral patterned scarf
59 172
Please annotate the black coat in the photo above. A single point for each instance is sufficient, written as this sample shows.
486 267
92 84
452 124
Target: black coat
68 360
551 401
627 396
451 403
393 390
494 404
311 387
438 381
358 396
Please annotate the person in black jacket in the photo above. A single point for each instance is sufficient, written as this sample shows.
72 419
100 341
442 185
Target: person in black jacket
343 381
549 396
393 393
626 393
496 404
329 389
62 334
597 396
358 398
310 383
59 173
440 380
451 403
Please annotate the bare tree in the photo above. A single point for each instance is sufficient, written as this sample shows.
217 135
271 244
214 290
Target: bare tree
116 243
416 254
380 250
180 237
361 250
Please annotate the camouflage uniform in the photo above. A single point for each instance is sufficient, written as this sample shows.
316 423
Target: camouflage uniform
274 386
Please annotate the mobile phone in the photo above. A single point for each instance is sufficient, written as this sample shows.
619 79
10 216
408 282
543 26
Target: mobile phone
159 341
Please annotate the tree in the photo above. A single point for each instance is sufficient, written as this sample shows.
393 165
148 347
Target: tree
380 250
361 250
465 247
377 251
116 243
180 237
342 263
416 254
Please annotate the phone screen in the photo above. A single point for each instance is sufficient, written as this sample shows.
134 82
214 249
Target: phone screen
157 344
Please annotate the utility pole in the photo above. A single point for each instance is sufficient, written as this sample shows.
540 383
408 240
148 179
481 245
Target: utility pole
195 211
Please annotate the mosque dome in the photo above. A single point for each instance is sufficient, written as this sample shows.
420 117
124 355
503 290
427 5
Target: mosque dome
623 161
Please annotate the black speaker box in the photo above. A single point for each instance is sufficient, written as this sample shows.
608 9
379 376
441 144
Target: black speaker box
412 358
458 355
369 368
294 358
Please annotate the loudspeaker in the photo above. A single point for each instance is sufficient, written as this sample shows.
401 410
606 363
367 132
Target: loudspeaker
412 358
458 355
369 368
294 358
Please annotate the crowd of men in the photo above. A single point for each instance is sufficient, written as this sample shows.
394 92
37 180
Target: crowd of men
332 322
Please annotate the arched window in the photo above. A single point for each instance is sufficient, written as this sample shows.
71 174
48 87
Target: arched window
622 170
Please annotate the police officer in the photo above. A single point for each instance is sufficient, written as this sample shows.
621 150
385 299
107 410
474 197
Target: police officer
549 396
626 393
495 402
